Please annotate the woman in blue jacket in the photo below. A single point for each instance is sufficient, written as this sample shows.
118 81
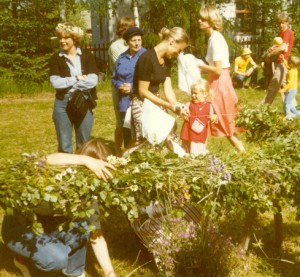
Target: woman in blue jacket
123 74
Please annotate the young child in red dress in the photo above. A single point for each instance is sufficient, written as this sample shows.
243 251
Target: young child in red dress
194 131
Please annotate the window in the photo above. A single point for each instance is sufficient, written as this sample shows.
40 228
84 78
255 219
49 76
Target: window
243 19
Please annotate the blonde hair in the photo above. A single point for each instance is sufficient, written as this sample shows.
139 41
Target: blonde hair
294 61
277 41
70 29
203 86
123 24
212 15
178 34
95 148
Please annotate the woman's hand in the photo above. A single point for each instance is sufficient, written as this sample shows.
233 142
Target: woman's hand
80 77
99 167
125 88
213 118
185 113
181 110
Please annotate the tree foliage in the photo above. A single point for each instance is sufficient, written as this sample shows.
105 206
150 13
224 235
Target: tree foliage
28 25
27 31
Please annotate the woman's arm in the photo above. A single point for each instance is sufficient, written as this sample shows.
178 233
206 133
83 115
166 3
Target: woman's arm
99 167
115 75
145 93
86 81
169 92
216 69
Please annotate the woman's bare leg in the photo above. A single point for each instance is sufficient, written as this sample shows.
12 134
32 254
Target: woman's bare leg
236 143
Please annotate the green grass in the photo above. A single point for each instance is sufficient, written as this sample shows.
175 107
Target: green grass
26 126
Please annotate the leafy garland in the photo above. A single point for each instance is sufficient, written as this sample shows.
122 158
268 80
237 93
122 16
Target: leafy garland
224 184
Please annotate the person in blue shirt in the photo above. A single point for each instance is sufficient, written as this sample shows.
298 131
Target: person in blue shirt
122 78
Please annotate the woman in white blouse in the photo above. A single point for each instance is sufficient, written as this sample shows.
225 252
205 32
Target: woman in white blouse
218 69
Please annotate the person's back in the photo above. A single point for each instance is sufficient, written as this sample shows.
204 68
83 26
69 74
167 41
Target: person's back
119 46
116 48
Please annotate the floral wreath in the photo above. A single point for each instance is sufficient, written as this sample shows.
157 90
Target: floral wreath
66 28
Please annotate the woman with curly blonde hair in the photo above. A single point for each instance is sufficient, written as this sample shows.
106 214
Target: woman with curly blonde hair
72 69
218 69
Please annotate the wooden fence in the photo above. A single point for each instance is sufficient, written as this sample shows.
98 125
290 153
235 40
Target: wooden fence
253 43
101 55
101 51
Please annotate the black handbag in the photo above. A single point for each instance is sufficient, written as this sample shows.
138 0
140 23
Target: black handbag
78 106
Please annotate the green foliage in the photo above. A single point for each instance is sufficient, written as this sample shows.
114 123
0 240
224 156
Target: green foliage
25 47
230 185
294 12
264 122
236 183
275 162
169 14
150 40
9 87
26 37
278 160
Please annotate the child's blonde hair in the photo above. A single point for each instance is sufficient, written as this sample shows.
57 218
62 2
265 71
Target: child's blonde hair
277 40
203 86
294 61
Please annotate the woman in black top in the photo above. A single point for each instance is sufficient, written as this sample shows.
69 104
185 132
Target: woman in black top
153 68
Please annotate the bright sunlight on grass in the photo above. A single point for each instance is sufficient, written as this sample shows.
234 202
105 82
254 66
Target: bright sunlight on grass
26 126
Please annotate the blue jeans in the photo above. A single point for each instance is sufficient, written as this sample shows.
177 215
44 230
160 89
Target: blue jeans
64 127
289 108
240 79
55 251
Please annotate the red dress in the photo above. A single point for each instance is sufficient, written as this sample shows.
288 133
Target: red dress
200 113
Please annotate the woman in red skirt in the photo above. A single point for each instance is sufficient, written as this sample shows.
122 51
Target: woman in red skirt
225 100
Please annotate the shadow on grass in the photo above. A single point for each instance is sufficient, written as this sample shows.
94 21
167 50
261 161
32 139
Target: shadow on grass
286 259
125 246
281 261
